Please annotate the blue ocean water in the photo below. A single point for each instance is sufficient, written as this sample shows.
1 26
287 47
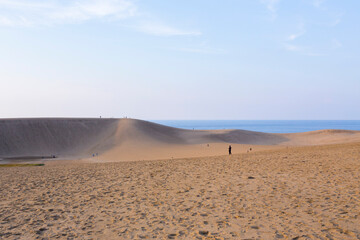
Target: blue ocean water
269 126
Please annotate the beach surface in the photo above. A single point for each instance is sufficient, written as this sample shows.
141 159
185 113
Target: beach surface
292 192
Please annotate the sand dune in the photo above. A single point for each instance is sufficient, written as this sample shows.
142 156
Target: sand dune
61 137
307 192
321 137
130 139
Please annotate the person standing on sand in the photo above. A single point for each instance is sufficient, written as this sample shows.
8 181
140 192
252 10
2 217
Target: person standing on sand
229 149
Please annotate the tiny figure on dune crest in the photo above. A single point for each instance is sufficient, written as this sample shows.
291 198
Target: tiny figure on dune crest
229 149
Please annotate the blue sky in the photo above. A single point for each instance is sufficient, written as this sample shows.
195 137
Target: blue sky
189 59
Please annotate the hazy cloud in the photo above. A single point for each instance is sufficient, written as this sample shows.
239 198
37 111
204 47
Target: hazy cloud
337 19
336 43
301 31
302 50
272 6
41 12
25 13
160 29
293 48
292 37
203 50
318 3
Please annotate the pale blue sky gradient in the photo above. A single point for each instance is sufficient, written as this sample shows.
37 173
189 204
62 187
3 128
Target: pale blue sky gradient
202 59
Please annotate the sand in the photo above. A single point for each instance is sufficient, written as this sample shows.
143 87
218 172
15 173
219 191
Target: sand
132 179
308 192
115 140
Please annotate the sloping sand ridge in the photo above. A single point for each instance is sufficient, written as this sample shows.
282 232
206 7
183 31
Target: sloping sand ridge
130 139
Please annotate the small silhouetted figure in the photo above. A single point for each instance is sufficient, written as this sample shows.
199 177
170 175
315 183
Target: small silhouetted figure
229 149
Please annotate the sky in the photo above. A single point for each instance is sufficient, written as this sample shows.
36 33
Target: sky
186 60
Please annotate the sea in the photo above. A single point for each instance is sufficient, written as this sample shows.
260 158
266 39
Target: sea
268 126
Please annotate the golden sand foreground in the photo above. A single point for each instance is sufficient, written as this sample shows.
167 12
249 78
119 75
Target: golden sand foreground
293 193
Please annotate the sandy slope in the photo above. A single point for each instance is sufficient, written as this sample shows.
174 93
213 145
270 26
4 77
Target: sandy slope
141 140
130 139
297 193
119 139
322 137
61 137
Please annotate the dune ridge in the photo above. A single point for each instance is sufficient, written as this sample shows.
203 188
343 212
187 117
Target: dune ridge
132 139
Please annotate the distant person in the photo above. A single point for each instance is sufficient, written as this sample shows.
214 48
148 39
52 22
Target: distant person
229 149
